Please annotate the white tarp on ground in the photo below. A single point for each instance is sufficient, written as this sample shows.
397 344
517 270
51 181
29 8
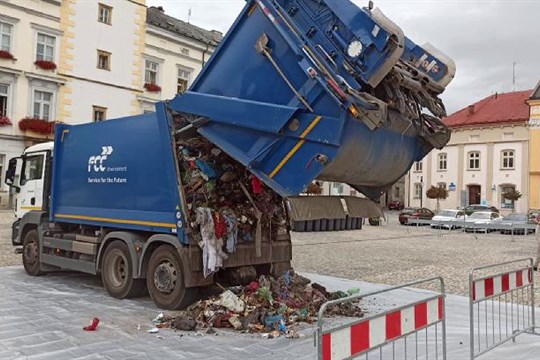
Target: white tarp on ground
42 317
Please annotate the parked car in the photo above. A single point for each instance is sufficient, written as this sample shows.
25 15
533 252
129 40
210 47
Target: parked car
516 223
476 207
449 215
481 220
415 213
396 205
534 213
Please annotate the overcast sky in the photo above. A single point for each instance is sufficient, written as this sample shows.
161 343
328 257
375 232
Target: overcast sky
483 37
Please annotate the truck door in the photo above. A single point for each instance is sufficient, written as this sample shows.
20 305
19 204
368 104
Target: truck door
32 181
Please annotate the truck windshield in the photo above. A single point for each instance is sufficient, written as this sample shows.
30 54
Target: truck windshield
32 168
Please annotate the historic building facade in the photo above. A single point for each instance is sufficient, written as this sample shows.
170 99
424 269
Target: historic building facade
77 61
487 155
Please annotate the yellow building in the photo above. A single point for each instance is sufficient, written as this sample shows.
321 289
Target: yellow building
534 144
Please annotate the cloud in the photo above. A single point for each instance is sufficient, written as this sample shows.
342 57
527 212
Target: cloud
484 38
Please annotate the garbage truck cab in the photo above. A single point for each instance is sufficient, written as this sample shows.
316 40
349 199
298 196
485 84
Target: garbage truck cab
34 168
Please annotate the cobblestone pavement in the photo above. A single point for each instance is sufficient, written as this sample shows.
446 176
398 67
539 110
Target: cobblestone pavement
394 254
388 254
7 257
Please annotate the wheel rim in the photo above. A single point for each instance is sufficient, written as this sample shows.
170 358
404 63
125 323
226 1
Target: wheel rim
118 270
31 253
165 277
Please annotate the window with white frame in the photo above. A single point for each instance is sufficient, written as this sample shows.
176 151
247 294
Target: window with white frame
42 104
105 14
417 190
151 71
441 162
507 159
473 162
4 97
418 166
45 47
184 79
99 113
6 32
103 60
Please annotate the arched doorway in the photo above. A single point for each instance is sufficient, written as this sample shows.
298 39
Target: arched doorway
474 194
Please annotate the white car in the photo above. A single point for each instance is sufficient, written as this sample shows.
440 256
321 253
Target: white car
481 221
447 217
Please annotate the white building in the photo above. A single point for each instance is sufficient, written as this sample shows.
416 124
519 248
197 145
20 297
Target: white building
29 31
78 61
174 54
488 154
101 57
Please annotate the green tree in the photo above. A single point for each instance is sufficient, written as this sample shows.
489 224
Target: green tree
513 195
437 192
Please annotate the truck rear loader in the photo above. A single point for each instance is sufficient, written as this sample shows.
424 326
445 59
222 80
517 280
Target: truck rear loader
298 90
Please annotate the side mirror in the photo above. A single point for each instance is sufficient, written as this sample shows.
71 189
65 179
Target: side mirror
11 173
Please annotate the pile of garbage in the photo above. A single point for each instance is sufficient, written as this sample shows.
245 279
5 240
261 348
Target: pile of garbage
225 202
268 306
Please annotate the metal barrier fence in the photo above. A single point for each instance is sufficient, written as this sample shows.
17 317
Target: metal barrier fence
502 227
501 305
416 330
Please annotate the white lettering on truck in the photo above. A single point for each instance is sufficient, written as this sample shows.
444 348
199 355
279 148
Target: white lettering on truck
96 162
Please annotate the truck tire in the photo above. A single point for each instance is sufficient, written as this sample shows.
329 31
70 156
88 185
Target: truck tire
117 272
165 280
30 253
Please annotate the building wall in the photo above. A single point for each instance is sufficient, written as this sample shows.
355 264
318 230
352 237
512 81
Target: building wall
22 76
534 150
172 52
114 89
490 142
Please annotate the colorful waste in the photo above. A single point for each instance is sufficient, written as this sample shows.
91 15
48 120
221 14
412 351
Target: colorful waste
225 202
270 306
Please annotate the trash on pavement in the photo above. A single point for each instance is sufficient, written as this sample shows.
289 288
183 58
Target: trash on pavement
153 330
93 326
269 306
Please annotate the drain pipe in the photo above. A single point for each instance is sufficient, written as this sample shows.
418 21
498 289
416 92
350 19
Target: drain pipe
204 53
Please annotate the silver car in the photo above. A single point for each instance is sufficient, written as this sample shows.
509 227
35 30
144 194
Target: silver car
448 219
482 221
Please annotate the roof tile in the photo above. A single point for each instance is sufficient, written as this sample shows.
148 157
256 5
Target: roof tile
494 109
157 17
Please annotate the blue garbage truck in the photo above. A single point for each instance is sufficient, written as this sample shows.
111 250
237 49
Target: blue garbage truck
167 202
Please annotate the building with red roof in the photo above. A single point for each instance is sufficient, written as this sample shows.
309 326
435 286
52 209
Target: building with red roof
487 155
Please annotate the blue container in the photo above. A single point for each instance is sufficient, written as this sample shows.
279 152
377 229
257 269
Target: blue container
287 94
117 173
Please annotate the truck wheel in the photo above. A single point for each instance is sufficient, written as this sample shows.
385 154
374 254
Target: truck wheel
117 272
30 253
165 280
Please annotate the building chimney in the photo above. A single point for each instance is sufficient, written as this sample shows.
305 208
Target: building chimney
471 109
161 9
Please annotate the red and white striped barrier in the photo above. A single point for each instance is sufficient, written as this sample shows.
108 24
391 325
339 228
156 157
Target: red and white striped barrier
500 284
380 332
501 304
371 333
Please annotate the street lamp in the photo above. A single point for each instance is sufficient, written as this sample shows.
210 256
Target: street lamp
421 190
